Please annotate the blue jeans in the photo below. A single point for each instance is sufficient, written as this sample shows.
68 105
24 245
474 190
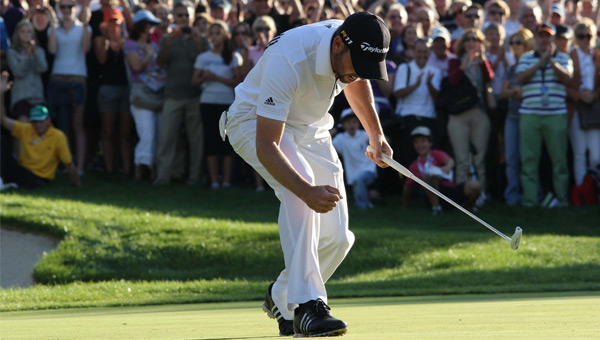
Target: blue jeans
359 187
512 194
62 96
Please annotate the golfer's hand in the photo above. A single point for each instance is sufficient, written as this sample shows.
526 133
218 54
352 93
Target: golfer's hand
380 146
322 198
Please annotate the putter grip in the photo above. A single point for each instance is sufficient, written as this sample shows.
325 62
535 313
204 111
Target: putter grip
391 162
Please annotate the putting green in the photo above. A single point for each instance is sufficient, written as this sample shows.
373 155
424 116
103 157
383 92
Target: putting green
506 316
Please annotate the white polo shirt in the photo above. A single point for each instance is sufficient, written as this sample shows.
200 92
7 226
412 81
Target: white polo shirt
293 81
419 102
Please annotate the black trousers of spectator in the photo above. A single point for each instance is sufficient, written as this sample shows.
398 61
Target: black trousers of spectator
12 172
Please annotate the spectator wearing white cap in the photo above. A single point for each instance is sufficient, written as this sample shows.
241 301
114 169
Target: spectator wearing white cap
435 168
557 16
143 72
351 145
440 50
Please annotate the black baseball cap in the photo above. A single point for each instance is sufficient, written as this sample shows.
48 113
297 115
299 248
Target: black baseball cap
368 38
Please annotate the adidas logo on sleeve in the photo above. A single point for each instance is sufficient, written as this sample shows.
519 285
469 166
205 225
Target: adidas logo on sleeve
270 101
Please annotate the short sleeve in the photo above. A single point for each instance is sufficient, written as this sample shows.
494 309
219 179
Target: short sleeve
436 81
62 149
20 130
400 80
237 60
568 64
278 84
523 64
510 59
440 157
200 62
130 46
337 142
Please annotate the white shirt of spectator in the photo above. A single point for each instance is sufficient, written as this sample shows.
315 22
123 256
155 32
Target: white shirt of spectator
440 64
352 149
500 71
419 102
511 28
215 92
293 81
69 58
588 70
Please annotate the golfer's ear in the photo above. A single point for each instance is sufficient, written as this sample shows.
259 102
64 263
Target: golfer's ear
338 44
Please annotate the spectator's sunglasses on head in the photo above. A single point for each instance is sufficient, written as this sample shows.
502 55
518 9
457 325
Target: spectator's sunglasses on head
582 36
496 12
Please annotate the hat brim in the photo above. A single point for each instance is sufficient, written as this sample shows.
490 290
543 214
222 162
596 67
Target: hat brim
546 30
367 69
38 119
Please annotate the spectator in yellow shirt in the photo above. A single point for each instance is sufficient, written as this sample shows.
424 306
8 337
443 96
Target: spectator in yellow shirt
42 148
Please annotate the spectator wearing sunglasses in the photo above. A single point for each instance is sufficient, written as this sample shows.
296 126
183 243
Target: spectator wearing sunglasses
177 55
458 10
496 11
264 31
520 42
396 19
472 126
586 62
69 42
544 74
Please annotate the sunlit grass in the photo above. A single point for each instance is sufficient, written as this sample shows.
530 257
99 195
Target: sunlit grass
125 243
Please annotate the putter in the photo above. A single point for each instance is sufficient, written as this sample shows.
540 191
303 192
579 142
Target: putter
514 241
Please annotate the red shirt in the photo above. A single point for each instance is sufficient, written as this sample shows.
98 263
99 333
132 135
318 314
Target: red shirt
436 158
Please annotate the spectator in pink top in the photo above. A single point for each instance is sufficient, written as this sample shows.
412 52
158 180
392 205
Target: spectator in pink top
264 31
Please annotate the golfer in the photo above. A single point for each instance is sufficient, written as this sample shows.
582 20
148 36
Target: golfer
279 123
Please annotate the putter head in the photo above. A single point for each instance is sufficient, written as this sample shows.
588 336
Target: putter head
515 240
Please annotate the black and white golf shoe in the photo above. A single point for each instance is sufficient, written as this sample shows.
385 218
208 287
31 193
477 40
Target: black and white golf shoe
286 327
312 319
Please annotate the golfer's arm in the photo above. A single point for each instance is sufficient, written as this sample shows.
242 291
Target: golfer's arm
360 98
268 137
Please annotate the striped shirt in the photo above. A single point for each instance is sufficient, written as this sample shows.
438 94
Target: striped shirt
544 94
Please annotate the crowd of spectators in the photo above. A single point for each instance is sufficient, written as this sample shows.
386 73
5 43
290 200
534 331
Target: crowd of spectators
137 87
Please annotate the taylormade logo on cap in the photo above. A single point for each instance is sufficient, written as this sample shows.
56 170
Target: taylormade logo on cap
366 47
368 38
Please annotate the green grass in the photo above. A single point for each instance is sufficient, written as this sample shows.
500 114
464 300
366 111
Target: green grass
126 243
515 316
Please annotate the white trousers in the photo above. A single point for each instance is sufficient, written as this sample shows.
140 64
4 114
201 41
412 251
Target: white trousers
313 244
146 125
582 140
